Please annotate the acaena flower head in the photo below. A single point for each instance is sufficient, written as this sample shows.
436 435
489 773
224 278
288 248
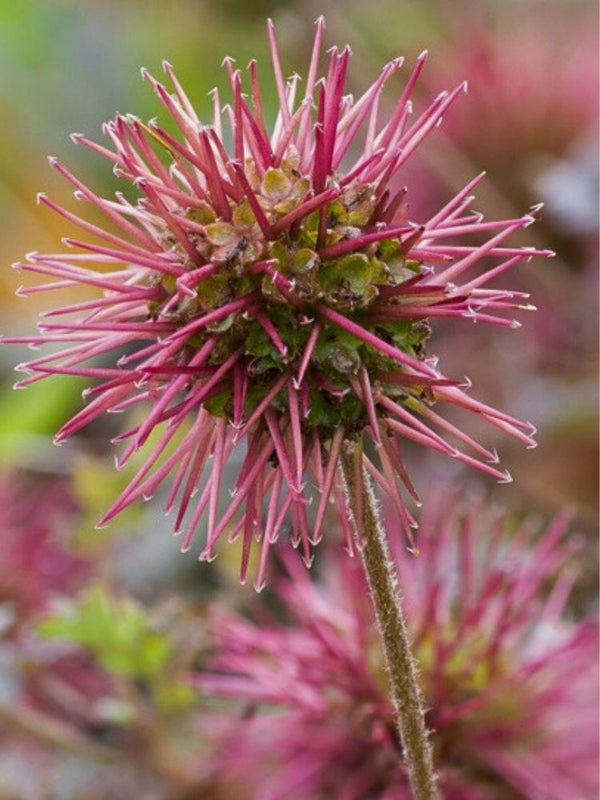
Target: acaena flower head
271 287
298 702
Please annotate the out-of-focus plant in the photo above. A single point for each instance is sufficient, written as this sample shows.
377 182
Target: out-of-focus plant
39 521
289 697
107 681
511 680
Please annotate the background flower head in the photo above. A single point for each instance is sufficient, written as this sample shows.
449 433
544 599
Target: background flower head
509 680
277 292
40 514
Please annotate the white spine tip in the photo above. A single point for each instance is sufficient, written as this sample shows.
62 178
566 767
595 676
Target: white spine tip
506 478
494 457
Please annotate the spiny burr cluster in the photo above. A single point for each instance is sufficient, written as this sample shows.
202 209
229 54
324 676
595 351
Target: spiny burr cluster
278 293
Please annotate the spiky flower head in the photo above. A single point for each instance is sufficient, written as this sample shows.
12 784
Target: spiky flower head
277 292
509 683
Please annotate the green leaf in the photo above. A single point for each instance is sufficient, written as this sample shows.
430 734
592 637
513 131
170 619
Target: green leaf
214 291
275 185
203 213
243 216
221 233
303 261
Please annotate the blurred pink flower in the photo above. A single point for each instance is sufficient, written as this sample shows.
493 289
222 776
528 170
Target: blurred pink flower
278 294
510 682
533 87
37 561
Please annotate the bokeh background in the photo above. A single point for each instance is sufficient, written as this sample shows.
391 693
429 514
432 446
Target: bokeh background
530 119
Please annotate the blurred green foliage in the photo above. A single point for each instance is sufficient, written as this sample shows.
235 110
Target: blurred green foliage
115 629
123 638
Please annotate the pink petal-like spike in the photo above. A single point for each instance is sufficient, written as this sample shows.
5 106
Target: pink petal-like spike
211 317
325 486
183 98
308 352
219 380
219 459
415 135
296 431
271 332
454 395
279 82
243 487
283 456
432 440
130 256
305 208
350 122
359 482
257 103
305 124
287 135
398 112
362 389
391 445
406 520
178 384
276 387
171 221
199 509
216 183
258 142
443 423
240 390
194 467
450 273
358 242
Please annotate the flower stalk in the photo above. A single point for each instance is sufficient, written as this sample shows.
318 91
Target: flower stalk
383 585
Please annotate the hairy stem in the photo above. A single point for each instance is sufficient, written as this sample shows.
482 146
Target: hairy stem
383 584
